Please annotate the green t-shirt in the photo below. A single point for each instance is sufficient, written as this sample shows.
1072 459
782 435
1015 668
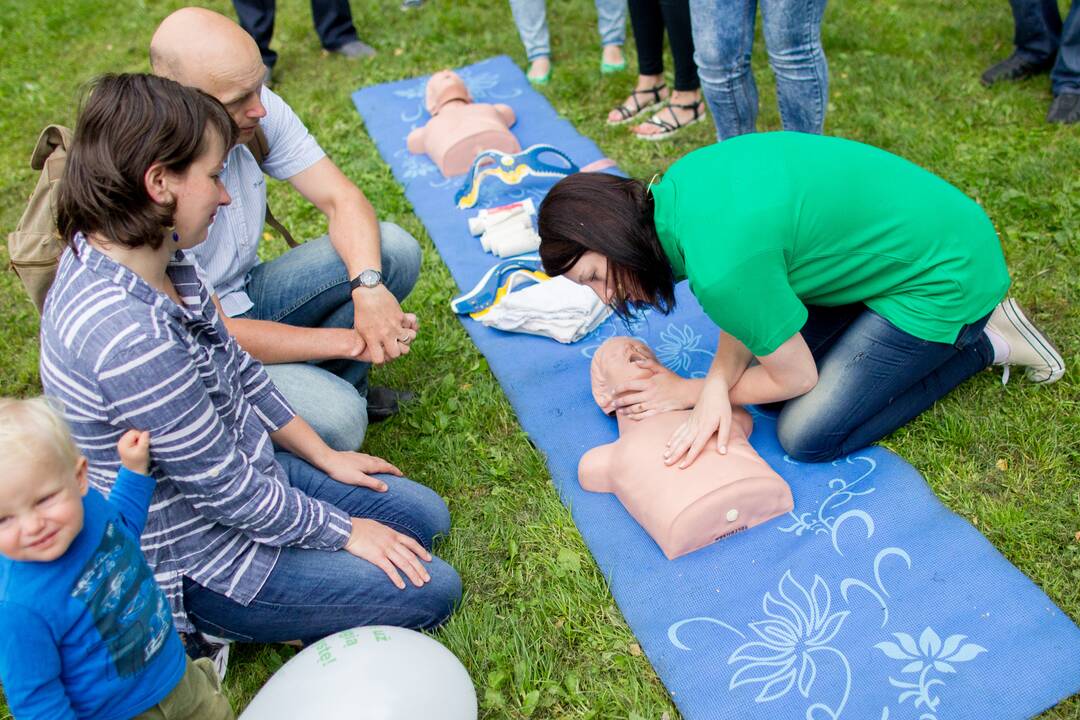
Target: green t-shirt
765 224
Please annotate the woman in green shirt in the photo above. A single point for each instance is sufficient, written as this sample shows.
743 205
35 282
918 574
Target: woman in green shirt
865 286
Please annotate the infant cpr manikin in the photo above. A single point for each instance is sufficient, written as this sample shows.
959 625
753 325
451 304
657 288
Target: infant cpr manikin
682 509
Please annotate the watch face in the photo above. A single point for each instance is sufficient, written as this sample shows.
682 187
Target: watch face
370 278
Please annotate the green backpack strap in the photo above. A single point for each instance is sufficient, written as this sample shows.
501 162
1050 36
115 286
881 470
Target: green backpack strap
260 148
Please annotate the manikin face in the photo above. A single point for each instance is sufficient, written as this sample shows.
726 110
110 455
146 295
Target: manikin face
442 87
41 509
198 193
617 361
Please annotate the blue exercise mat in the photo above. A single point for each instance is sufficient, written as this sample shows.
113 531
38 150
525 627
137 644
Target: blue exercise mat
870 601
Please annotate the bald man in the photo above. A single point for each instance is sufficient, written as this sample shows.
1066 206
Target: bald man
318 315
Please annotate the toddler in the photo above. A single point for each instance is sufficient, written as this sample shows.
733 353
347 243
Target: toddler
85 632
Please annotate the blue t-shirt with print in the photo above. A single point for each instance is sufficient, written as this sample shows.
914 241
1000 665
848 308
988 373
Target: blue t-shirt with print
90 634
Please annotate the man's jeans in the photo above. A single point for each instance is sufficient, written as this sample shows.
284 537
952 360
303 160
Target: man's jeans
872 379
723 40
314 593
1040 34
309 286
530 16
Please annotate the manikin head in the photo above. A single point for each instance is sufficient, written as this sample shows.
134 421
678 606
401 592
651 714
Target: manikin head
444 87
43 483
203 49
617 361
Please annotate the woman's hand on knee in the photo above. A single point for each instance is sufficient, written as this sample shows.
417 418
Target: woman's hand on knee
712 414
390 551
354 468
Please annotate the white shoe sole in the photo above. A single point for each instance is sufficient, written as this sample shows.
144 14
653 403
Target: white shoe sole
1038 342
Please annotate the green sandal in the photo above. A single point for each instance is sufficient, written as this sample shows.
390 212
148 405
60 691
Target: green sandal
668 129
629 113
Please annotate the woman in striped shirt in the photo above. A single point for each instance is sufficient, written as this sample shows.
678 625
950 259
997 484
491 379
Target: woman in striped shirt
249 542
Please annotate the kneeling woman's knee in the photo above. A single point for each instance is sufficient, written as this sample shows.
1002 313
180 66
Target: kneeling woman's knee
802 443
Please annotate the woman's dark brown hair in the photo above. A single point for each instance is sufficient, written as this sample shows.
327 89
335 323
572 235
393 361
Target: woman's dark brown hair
128 123
614 217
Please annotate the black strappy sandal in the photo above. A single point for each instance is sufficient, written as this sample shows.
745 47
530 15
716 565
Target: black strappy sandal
668 129
628 113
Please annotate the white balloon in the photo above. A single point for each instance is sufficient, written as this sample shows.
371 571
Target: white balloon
375 672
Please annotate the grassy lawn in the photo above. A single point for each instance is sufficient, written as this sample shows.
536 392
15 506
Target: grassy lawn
538 631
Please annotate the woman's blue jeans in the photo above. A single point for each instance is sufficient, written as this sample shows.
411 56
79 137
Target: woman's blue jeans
309 286
872 379
723 41
530 16
1040 34
314 593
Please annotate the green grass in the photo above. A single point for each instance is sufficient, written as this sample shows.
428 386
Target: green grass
538 629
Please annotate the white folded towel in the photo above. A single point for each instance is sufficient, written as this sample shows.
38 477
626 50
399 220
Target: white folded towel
557 308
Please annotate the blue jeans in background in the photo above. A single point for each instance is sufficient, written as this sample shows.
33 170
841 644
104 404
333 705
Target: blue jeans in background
314 593
723 40
872 379
1040 34
530 16
309 286
333 22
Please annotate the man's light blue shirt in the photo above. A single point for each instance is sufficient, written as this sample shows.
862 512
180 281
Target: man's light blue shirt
231 248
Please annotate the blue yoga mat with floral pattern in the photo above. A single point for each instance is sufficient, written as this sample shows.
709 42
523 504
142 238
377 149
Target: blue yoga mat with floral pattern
870 601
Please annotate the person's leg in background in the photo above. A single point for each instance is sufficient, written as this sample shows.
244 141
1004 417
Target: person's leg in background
1036 36
335 410
1065 76
312 593
651 91
611 25
686 106
723 32
792 30
874 379
530 17
257 18
334 24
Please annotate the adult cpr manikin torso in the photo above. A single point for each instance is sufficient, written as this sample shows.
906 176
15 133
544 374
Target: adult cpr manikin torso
682 509
459 129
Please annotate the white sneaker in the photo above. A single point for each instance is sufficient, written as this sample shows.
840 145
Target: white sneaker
1028 347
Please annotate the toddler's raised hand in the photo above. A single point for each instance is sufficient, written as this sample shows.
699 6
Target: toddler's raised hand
134 449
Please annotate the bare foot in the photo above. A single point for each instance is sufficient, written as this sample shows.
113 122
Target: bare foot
648 92
691 110
539 70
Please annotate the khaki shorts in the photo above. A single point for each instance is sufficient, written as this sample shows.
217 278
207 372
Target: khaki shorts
196 697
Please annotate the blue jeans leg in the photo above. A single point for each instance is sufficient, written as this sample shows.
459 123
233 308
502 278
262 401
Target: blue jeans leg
1037 25
611 21
312 593
331 405
723 32
309 287
1065 76
530 16
333 22
874 379
792 30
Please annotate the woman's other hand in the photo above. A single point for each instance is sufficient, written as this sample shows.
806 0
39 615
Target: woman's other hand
390 551
355 468
712 414
664 391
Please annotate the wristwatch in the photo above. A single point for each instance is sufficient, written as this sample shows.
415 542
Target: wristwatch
367 278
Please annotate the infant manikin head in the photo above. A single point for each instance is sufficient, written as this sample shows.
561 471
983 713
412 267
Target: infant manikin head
443 87
682 509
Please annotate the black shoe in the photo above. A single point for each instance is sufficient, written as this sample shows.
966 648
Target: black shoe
1016 67
355 49
1065 109
383 402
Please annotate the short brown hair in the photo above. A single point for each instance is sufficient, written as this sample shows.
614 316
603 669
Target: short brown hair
612 216
128 123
